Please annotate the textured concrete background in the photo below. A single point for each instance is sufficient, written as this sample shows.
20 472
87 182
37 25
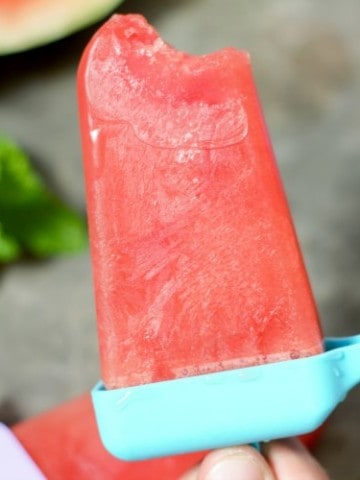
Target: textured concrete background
306 57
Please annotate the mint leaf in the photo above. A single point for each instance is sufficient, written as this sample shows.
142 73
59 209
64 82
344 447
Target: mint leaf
32 219
9 248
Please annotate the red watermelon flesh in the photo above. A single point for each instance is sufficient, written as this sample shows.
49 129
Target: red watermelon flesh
65 444
196 263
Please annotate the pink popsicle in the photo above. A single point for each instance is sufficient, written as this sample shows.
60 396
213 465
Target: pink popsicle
196 263
65 445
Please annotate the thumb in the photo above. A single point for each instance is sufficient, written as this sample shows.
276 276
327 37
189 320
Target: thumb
237 463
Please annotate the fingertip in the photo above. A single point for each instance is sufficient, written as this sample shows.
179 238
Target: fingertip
290 459
234 463
191 474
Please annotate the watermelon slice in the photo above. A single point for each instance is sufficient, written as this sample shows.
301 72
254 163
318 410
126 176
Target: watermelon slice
65 444
29 23
196 263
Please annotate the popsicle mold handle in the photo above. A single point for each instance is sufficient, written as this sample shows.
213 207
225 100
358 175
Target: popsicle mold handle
221 409
345 353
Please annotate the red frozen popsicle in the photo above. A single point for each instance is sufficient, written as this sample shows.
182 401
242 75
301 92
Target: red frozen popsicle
65 444
196 263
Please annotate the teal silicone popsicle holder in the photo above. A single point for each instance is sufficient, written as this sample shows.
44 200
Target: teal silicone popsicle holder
227 408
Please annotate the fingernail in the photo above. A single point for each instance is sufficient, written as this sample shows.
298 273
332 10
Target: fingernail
236 467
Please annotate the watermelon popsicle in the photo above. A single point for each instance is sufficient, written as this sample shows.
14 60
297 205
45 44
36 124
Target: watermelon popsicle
196 263
197 268
64 444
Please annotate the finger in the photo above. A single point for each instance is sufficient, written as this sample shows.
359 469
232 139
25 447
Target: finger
289 459
237 463
191 474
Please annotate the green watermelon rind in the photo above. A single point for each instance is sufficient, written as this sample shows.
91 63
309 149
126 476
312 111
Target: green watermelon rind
33 33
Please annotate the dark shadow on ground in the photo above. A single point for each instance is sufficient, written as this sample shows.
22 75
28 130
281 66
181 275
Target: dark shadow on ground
9 412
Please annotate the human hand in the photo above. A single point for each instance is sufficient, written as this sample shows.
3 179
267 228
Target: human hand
282 460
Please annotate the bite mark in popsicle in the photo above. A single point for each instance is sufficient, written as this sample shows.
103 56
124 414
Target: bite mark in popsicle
196 263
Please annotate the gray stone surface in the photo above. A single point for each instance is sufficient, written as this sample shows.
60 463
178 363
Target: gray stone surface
306 58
